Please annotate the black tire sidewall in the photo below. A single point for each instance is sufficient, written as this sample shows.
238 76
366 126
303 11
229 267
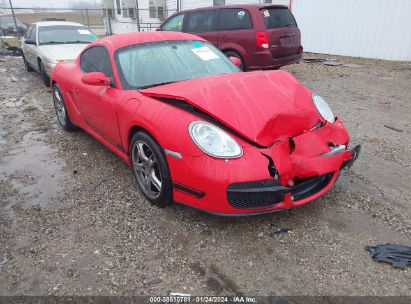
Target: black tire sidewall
26 64
43 74
166 195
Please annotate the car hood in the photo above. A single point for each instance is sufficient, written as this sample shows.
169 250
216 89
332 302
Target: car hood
56 52
262 106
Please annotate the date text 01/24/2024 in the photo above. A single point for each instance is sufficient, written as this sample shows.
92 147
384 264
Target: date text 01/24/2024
201 299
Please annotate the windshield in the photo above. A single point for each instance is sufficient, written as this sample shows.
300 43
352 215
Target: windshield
150 64
61 34
278 18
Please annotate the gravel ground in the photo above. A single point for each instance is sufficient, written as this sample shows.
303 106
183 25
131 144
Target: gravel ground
72 221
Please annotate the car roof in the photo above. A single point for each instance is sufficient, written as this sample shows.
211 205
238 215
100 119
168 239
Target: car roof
121 40
244 6
51 23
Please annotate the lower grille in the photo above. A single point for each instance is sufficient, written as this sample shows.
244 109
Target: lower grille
254 195
310 186
265 194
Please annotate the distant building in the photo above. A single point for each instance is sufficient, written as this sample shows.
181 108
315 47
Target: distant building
133 15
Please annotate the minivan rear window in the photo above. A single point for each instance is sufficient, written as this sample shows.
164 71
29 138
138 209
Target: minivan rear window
234 19
278 17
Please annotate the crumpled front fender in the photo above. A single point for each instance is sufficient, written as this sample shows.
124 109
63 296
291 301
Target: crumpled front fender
304 155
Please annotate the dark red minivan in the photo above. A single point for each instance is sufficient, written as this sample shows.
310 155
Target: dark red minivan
261 36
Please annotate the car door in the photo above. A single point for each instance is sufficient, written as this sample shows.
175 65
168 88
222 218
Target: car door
97 104
29 49
23 41
203 24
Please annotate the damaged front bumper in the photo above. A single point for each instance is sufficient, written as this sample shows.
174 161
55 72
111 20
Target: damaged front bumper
271 193
290 173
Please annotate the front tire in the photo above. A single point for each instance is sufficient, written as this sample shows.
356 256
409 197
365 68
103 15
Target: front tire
61 110
43 74
150 169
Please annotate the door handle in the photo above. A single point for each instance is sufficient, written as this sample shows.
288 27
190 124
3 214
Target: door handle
75 90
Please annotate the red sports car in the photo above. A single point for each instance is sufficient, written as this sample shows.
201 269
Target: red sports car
197 130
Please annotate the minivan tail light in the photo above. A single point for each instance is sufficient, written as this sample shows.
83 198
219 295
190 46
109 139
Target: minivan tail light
262 39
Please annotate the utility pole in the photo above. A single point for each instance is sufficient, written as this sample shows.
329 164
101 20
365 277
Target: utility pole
14 18
137 16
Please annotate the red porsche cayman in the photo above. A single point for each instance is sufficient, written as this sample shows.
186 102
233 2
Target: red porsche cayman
197 130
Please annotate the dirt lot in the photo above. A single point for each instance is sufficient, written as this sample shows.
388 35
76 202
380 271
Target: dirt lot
72 220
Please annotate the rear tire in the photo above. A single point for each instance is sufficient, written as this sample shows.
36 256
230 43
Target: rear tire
235 54
61 110
43 74
150 169
27 65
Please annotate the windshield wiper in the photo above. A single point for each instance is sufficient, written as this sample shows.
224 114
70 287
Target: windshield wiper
156 84
52 42
77 41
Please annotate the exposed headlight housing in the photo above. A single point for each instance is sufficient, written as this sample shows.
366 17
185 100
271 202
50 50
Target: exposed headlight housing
323 108
214 141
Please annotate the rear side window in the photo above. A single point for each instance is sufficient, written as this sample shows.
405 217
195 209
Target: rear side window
205 21
175 24
278 18
96 59
234 19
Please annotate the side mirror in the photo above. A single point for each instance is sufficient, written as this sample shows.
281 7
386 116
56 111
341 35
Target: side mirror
95 79
235 60
29 41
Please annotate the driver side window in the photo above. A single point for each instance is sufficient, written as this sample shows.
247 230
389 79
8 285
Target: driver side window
175 24
96 59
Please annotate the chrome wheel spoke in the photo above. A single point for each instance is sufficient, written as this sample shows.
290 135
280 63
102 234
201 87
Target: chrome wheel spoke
155 180
141 152
56 93
138 166
148 184
151 162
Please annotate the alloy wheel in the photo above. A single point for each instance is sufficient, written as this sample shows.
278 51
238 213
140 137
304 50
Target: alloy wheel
59 105
146 169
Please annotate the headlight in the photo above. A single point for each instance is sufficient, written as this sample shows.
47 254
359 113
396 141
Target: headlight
214 141
323 108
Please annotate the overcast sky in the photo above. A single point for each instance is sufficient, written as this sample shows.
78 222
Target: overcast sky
43 3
